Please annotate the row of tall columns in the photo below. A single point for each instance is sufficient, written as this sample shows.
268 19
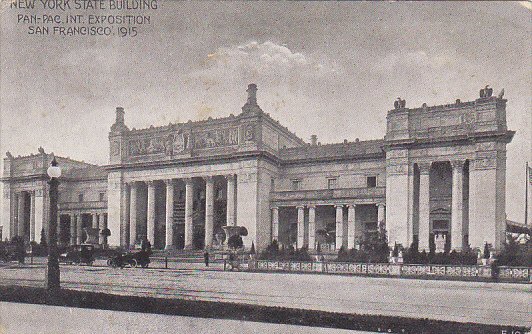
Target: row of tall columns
457 214
132 205
76 227
20 218
351 225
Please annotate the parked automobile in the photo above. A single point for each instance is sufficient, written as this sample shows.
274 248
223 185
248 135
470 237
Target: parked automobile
78 254
131 259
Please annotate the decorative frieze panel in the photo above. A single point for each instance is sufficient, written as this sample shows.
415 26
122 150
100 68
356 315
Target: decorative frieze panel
216 138
396 169
169 145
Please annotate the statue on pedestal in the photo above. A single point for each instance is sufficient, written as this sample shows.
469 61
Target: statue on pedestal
486 92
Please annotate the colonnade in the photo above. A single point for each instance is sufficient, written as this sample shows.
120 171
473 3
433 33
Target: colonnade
99 222
301 237
457 214
132 213
20 216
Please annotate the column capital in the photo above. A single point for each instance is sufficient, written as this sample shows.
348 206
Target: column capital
275 208
132 184
458 164
380 204
150 183
230 176
339 206
351 205
424 167
311 206
169 182
300 207
208 178
187 180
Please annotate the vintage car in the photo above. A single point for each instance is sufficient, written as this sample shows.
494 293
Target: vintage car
78 254
131 259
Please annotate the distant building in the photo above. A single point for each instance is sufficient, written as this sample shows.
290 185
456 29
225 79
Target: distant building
440 172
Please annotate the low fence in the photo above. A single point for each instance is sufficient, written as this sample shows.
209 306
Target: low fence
470 272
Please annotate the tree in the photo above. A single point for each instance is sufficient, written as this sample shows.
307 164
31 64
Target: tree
487 252
43 242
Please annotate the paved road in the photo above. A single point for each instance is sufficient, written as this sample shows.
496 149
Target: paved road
502 303
29 319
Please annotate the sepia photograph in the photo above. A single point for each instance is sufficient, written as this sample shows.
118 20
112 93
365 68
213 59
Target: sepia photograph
265 167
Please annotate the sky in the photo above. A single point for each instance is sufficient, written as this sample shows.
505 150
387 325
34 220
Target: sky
330 69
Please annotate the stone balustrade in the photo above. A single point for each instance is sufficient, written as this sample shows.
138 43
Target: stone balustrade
466 272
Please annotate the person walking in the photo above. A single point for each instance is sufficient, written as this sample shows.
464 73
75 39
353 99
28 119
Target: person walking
206 257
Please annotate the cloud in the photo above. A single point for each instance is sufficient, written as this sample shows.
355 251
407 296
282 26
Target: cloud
403 60
265 61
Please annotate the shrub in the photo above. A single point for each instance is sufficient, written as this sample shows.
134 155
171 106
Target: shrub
514 254
272 252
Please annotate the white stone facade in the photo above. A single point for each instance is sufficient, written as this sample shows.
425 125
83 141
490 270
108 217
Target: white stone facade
440 171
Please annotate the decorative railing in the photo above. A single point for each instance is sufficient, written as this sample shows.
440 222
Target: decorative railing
513 274
327 194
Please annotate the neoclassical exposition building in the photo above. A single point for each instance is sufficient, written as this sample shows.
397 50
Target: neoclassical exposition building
438 173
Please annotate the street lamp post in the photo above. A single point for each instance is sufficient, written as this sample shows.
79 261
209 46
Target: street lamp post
52 269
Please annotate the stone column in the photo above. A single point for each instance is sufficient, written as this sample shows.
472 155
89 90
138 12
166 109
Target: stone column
189 213
73 229
14 215
169 238
102 226
339 226
95 220
125 228
151 212
133 187
457 205
209 210
79 230
351 213
34 233
424 205
275 223
381 216
231 200
300 226
21 218
312 227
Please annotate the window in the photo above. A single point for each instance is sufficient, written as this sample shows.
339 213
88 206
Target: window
371 181
332 183
296 184
102 197
80 198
